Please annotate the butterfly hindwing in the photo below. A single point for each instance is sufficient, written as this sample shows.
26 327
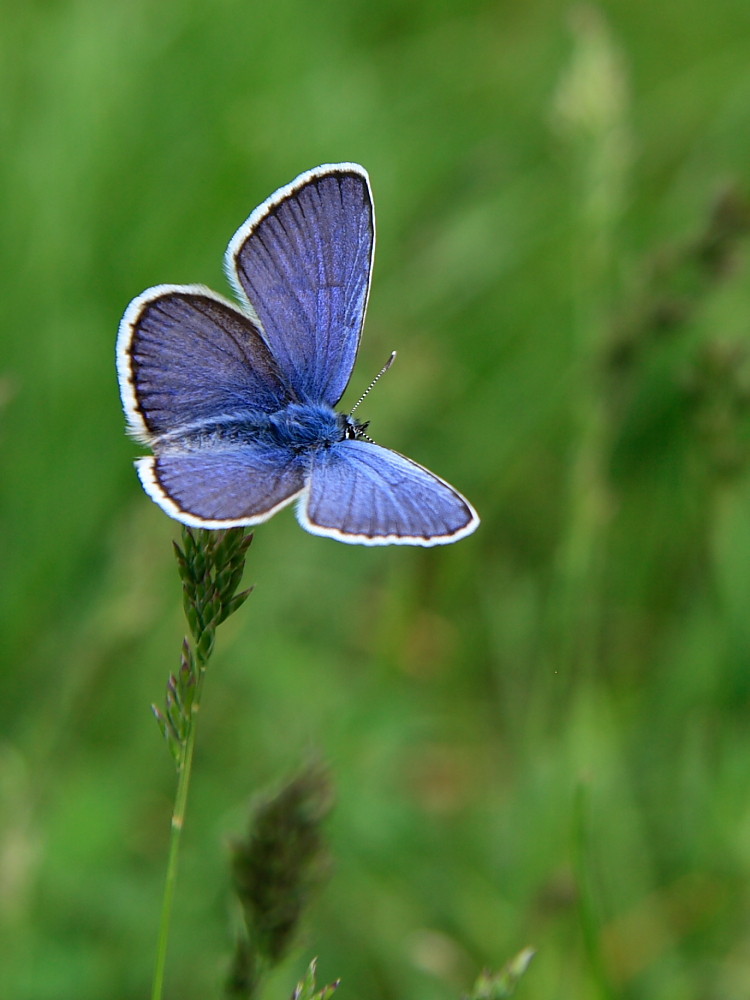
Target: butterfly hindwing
222 489
303 261
359 492
185 355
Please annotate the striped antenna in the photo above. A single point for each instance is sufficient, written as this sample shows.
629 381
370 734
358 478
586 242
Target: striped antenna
380 374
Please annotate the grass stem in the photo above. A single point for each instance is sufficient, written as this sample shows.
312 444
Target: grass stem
210 564
184 771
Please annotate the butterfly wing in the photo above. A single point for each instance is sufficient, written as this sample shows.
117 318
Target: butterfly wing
186 355
223 488
302 262
359 492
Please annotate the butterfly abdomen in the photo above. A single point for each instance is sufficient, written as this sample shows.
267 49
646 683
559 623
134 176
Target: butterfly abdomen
229 430
299 427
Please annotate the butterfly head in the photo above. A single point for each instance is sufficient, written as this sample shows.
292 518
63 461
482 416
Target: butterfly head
355 429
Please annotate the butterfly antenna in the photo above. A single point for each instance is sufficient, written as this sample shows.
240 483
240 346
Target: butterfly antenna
380 374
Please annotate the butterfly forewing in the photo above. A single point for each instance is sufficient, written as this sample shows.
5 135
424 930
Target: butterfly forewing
303 261
185 356
360 492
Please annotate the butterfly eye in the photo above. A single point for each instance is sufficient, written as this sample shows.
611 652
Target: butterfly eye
354 429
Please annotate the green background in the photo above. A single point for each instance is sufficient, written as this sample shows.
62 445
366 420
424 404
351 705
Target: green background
538 736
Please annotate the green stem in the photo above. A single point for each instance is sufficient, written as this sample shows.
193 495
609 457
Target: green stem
178 821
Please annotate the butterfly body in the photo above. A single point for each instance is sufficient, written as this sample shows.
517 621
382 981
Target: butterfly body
238 403
298 427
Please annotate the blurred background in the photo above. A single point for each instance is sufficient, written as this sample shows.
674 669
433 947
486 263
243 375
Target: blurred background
539 736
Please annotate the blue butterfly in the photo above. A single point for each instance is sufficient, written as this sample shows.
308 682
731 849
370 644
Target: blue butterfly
237 404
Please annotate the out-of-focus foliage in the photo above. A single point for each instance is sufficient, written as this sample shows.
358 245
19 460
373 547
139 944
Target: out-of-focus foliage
539 736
